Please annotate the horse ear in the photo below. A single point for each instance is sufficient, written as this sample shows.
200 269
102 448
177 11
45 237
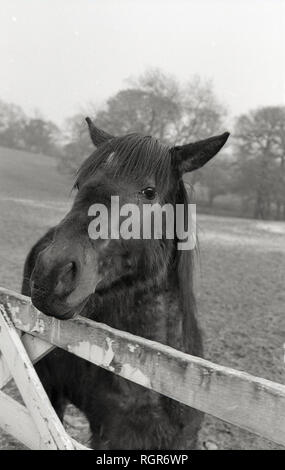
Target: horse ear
98 136
190 157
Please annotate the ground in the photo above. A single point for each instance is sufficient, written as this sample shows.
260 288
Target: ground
240 274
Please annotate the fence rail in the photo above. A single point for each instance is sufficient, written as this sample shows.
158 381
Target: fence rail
252 403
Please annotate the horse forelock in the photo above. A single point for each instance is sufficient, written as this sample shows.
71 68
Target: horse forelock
133 156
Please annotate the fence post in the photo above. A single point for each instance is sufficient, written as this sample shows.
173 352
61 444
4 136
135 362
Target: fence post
51 430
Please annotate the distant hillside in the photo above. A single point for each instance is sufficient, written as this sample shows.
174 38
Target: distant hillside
31 176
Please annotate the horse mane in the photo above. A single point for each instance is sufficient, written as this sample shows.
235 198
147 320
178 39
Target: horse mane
185 271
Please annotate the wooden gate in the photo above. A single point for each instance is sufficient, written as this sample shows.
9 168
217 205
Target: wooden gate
26 335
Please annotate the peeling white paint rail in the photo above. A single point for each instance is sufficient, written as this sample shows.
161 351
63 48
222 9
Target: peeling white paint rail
252 403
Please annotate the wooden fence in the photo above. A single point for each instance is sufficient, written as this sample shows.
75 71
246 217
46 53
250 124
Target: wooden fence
26 335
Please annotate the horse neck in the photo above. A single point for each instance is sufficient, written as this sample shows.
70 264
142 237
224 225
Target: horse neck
164 313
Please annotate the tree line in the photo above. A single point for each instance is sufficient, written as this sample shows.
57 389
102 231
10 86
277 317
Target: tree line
246 179
34 134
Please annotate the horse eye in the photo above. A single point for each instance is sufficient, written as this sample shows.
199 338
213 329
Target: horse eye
149 193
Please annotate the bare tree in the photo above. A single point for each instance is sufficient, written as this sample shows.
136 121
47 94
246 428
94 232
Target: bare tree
260 148
202 113
34 134
152 104
40 136
12 123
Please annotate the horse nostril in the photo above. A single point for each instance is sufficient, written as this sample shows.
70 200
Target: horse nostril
35 289
66 279
69 269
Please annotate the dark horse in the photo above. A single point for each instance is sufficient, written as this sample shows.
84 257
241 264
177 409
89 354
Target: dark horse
140 286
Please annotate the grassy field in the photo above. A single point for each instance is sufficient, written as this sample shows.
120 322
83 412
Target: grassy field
239 281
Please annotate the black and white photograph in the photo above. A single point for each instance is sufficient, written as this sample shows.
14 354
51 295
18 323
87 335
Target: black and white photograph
142 228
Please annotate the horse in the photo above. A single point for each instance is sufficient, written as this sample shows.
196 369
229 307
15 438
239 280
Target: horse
142 286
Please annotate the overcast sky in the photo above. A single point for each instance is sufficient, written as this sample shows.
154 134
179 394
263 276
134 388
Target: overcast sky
58 55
